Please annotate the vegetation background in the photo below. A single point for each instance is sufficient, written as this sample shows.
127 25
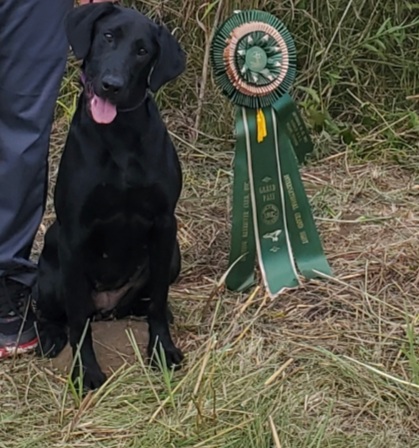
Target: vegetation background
332 364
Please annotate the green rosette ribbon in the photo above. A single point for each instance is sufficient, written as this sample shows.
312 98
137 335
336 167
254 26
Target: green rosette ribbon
254 62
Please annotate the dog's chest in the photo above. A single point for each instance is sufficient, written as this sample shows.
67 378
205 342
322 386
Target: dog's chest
126 169
108 202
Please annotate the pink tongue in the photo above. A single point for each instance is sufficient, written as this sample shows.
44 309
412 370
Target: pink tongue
102 110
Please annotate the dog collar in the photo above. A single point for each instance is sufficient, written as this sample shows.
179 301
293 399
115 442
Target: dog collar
130 109
113 1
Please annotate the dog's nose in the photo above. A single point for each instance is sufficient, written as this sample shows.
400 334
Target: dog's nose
112 84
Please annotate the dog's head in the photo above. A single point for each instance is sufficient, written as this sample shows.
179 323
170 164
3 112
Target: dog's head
124 53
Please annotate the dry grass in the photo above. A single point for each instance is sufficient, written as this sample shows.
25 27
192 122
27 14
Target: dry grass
332 364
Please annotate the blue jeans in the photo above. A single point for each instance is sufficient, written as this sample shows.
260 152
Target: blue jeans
33 53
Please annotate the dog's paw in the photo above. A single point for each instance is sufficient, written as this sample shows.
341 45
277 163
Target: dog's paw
51 340
92 378
167 354
174 357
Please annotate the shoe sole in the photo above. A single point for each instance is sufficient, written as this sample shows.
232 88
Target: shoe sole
8 351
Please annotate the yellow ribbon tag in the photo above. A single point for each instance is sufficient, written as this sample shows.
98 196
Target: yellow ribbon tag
261 126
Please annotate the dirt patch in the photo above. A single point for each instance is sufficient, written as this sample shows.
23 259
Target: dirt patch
111 343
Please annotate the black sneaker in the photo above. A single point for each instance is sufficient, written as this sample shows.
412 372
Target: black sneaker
17 320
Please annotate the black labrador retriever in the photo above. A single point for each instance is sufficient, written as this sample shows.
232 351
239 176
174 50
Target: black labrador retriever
114 242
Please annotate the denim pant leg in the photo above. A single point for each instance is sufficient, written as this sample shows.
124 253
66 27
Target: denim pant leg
33 53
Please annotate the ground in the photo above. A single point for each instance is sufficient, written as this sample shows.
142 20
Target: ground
334 363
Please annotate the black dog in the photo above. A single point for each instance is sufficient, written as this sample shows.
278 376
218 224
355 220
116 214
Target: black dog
114 242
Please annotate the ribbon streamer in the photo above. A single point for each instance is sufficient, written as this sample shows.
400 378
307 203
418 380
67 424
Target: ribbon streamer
271 212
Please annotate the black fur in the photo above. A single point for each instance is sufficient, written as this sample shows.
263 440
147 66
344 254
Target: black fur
117 189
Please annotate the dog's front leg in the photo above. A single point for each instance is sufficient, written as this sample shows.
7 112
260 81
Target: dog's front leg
162 244
79 308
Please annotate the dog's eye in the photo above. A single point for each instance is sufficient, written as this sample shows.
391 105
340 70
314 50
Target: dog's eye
108 37
142 52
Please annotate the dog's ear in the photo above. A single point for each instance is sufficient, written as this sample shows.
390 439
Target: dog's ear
170 61
79 24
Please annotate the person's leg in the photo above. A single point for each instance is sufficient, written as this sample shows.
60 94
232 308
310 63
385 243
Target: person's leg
33 52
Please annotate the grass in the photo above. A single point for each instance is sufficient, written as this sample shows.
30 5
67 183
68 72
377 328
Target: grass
332 364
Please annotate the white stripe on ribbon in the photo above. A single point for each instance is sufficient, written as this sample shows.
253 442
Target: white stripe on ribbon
253 197
254 212
284 212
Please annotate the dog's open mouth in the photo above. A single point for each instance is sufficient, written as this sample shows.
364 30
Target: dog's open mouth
102 110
